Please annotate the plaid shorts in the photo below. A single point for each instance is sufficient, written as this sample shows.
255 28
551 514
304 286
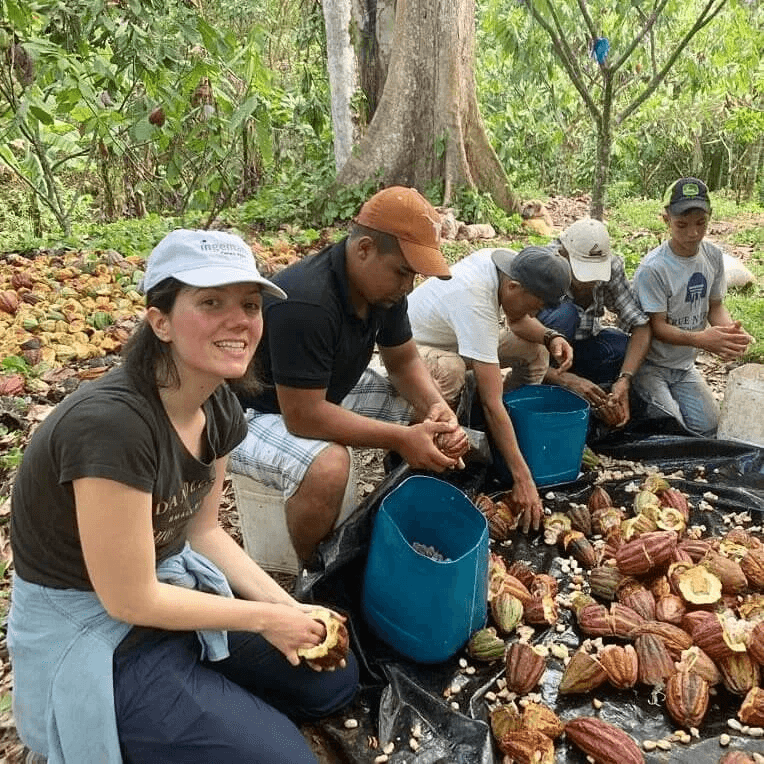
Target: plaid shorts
272 455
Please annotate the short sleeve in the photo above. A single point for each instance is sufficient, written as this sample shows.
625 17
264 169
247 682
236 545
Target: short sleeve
84 444
651 291
301 338
395 328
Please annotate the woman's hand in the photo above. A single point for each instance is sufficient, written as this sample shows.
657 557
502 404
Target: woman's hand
290 628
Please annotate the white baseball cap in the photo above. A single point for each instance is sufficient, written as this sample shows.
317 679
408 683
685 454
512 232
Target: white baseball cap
588 246
204 259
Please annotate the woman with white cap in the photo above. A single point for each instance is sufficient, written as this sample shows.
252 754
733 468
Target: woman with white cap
139 630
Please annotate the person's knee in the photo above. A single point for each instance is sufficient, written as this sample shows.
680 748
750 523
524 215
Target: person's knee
448 370
331 692
329 471
564 319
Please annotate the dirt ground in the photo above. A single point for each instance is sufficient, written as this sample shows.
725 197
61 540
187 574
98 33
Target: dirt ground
368 465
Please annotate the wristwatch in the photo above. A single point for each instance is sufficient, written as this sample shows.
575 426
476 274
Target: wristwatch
626 375
549 335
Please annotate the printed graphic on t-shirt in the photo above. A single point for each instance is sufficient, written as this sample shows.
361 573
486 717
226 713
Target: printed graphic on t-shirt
177 510
697 287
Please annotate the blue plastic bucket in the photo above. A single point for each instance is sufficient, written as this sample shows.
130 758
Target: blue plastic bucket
550 424
423 608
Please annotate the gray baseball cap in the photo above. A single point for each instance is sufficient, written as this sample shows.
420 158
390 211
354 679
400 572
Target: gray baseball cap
539 270
204 259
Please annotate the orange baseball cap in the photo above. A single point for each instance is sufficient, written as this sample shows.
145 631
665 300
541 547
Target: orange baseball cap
407 215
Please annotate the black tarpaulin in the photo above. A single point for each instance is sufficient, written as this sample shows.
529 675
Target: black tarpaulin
398 695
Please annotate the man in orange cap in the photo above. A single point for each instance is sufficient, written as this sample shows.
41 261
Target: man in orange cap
319 395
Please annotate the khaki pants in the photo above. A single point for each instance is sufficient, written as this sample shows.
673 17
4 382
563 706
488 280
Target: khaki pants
528 363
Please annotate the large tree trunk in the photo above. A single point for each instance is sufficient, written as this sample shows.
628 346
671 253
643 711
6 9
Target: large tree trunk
373 34
427 126
341 67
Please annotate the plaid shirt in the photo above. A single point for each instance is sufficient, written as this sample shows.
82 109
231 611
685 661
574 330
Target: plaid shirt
617 296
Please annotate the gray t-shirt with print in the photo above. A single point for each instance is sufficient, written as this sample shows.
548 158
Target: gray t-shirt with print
682 288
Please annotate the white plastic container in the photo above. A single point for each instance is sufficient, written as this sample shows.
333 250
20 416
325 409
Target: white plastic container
741 410
263 521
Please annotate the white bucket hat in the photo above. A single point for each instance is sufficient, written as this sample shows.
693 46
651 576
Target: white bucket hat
204 259
588 246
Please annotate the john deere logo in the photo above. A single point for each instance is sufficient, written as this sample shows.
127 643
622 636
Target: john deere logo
690 189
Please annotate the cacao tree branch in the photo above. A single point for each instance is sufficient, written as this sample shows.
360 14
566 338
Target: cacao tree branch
706 16
639 36
587 19
565 55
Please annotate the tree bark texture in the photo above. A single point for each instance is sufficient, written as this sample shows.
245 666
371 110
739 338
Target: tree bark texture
372 35
427 126
342 70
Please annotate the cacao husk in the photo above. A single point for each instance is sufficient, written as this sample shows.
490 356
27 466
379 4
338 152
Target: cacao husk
752 709
739 672
655 663
620 664
332 652
604 742
687 698
583 673
525 667
649 552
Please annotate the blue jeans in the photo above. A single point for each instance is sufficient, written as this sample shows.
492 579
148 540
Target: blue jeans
598 358
173 708
682 394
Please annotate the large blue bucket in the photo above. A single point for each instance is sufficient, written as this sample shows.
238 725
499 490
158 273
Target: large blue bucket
423 608
550 424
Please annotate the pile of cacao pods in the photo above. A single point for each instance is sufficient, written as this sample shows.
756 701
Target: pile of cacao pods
57 309
663 605
690 609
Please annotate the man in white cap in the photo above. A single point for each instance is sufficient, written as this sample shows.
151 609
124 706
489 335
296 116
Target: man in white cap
605 359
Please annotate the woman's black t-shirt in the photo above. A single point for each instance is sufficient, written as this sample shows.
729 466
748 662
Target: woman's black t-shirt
108 429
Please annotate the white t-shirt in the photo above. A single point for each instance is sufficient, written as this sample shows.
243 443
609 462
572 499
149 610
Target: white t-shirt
680 287
463 313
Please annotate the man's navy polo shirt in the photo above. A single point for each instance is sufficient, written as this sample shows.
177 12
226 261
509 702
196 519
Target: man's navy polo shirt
314 339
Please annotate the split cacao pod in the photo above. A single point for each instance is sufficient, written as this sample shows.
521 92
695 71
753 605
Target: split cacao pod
655 663
687 698
332 652
524 668
752 709
583 673
620 664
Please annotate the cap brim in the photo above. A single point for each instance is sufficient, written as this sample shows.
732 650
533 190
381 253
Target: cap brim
217 276
425 260
589 271
677 208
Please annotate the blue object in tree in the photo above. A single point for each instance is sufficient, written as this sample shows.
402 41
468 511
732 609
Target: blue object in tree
600 49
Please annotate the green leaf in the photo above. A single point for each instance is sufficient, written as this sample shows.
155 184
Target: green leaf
41 114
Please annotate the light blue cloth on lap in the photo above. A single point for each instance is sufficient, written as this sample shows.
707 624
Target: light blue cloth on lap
62 643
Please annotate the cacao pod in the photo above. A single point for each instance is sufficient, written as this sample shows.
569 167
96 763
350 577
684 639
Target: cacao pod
604 742
687 698
582 674
525 666
332 652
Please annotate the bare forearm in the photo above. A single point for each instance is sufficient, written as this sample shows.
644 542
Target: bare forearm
247 579
327 421
416 385
166 606
636 349
718 315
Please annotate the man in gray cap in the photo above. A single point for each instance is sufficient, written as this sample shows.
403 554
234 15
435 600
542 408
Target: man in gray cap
457 327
